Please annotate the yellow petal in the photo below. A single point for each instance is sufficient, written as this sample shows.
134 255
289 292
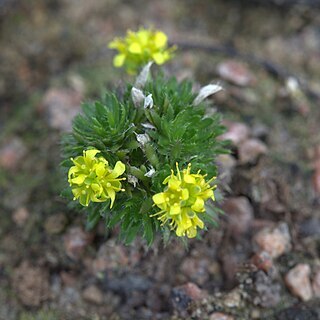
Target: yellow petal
185 194
79 179
100 169
197 222
143 36
115 44
180 231
174 184
160 39
72 170
112 195
159 198
175 209
198 205
191 232
119 168
118 60
90 154
159 58
188 178
135 48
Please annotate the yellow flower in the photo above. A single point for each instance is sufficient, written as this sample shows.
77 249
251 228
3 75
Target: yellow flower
139 48
183 200
92 179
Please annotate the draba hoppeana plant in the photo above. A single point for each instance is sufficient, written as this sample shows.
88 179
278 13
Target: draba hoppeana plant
145 159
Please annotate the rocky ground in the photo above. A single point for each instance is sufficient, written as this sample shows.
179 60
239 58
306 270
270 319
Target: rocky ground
262 262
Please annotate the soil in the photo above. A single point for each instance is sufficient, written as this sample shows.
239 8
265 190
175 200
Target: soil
262 261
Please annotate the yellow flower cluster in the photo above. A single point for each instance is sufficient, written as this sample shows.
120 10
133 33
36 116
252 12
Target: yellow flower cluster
92 179
183 200
139 48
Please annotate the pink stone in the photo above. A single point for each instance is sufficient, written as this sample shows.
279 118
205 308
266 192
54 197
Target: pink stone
75 242
236 132
298 281
250 150
239 213
236 73
316 283
274 241
220 316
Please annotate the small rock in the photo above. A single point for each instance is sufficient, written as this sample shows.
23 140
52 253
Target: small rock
236 73
93 294
68 279
310 227
12 153
226 164
239 213
182 296
316 284
110 256
250 150
20 216
263 261
31 284
299 312
316 174
232 299
298 281
266 293
274 241
220 316
55 223
196 269
236 132
61 106
75 242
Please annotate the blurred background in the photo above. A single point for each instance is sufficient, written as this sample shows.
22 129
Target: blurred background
263 260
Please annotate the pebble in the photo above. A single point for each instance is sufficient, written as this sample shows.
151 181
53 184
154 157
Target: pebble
267 293
250 150
299 312
31 284
75 242
20 216
12 153
196 269
263 261
310 227
235 72
239 213
226 164
232 299
93 294
237 132
61 106
181 296
316 283
275 241
220 316
110 256
298 281
55 224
